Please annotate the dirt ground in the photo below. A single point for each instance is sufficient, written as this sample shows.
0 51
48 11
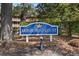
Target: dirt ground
58 47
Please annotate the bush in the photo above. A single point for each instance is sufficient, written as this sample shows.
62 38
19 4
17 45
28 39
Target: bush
23 23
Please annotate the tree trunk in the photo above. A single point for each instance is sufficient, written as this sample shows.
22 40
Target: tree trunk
6 21
69 30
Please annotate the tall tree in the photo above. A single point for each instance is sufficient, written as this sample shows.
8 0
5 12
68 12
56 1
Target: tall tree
25 10
64 12
6 21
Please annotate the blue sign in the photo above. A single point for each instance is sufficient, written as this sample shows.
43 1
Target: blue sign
39 28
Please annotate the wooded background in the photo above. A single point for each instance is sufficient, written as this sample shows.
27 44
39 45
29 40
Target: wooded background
65 15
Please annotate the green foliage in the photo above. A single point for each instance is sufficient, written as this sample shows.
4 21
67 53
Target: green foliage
75 27
16 11
23 23
24 9
55 13
63 13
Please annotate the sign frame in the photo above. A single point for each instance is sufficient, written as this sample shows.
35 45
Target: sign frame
38 34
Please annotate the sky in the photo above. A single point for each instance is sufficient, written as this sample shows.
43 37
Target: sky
33 4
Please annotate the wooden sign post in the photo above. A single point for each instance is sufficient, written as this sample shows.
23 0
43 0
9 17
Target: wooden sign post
27 39
50 38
